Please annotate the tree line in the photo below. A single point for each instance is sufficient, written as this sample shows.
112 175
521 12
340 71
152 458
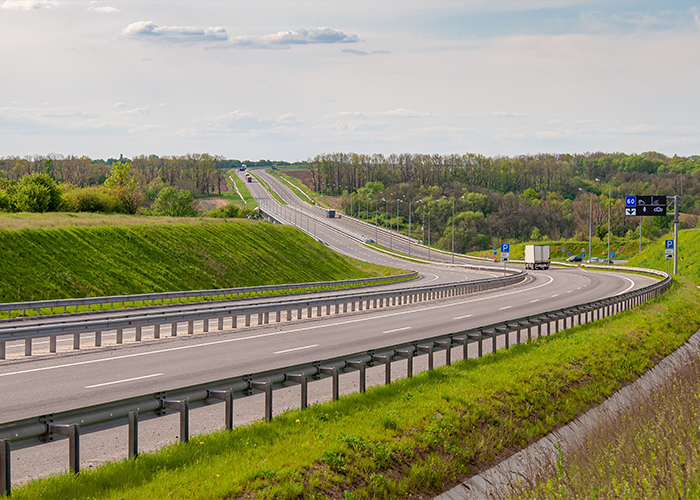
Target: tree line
494 199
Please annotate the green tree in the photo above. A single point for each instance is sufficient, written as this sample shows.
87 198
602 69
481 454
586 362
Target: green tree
37 193
124 186
175 203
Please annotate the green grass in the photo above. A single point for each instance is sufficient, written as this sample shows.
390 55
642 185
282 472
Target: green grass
414 437
652 451
74 262
624 249
250 201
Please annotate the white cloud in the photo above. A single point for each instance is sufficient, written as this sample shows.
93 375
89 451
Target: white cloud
402 112
136 111
508 114
28 4
303 36
149 30
642 129
106 9
363 53
119 105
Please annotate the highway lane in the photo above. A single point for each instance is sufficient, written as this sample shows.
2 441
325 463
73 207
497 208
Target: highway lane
100 375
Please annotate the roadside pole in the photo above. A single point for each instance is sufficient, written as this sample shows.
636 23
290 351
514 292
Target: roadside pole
675 235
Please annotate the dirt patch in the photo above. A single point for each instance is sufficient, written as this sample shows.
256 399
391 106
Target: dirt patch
210 203
331 201
303 175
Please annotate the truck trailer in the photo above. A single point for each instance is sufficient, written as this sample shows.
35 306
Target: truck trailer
536 256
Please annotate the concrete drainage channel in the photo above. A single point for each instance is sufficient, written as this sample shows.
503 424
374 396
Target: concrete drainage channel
472 343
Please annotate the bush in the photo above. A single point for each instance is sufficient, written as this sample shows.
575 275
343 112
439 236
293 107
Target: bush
37 193
229 211
93 199
174 202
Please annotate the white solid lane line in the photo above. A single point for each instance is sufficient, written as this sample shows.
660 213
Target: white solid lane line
628 288
555 295
273 334
504 307
536 300
296 349
398 329
465 316
122 381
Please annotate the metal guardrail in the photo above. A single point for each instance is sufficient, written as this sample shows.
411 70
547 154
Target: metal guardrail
170 296
157 318
42 428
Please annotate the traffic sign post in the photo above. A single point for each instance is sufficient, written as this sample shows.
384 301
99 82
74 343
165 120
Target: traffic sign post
505 255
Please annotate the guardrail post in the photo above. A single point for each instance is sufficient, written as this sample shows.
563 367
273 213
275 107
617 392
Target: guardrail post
5 484
184 408
234 321
120 336
409 361
2 349
428 349
289 315
301 379
463 342
27 347
205 325
278 316
98 339
133 434
265 387
247 320
73 433
76 341
227 398
386 361
447 345
266 318
299 313
137 334
361 367
156 331
220 326
333 372
337 308
345 307
318 311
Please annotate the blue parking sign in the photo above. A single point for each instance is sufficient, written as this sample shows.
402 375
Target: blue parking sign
630 201
669 244
505 247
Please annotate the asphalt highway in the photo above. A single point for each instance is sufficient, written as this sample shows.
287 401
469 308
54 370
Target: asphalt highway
47 384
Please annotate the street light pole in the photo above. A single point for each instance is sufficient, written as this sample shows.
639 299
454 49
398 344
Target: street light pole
429 231
590 223
410 204
453 230
609 211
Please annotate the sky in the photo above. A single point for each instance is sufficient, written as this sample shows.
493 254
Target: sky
288 80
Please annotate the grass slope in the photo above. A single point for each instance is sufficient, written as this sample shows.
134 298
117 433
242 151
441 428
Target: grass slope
415 437
95 261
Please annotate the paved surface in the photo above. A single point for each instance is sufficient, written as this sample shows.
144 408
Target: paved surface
46 384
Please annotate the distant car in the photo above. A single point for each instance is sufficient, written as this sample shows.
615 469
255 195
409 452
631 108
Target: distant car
607 261
595 259
574 258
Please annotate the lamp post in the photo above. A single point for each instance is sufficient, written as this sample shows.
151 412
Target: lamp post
429 230
410 204
609 195
397 214
376 222
590 223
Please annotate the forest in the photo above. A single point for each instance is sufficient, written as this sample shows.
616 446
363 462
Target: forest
486 199
494 199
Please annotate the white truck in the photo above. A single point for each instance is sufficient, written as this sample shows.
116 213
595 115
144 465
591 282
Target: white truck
536 256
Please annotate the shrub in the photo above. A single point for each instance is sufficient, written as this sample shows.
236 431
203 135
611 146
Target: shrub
93 199
174 202
229 211
37 193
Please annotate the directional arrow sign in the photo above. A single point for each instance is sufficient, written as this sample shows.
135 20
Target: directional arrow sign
631 211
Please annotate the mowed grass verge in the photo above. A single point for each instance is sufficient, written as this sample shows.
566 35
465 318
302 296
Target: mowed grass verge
650 452
70 262
414 437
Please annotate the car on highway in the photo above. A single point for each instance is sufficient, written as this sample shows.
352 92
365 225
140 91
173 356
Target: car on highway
574 258
595 259
607 261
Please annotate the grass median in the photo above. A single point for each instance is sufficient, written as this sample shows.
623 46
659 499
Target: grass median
414 437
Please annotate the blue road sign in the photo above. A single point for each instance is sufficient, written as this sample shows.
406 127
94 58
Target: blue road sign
505 247
569 254
612 254
630 201
495 250
583 255
669 244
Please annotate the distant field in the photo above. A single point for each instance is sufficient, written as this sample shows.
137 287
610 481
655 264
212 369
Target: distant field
116 255
57 220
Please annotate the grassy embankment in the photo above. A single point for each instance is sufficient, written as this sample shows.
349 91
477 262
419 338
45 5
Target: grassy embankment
624 249
159 255
414 437
651 452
